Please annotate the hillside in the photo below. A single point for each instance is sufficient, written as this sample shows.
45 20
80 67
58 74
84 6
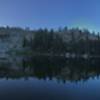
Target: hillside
49 41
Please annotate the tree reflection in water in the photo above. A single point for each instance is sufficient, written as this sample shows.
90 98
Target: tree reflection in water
60 69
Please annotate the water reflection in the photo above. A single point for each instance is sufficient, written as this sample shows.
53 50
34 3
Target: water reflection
49 68
49 78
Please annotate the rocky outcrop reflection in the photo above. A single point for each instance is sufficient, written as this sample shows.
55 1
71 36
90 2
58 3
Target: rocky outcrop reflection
45 68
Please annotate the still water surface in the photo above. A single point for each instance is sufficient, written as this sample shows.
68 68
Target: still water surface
50 79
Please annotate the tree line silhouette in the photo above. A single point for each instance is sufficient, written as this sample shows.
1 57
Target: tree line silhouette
62 41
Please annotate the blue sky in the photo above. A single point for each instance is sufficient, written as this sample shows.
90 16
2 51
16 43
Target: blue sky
50 13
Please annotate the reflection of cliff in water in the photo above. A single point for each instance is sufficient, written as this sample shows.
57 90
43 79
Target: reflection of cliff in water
50 68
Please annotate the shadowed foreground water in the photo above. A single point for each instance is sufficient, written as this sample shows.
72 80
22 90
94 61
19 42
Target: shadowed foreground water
43 78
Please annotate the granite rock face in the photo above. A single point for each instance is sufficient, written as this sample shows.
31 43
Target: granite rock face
12 38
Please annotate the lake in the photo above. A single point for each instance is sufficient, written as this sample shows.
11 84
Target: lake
48 78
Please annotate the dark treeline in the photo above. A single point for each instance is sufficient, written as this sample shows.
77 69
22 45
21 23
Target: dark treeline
62 41
73 41
48 42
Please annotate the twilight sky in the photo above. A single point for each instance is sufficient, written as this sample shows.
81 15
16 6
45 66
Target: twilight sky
50 13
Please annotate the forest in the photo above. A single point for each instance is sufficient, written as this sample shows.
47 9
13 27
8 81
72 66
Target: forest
65 41
61 41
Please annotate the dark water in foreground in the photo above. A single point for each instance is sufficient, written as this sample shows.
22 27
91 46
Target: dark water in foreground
43 78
